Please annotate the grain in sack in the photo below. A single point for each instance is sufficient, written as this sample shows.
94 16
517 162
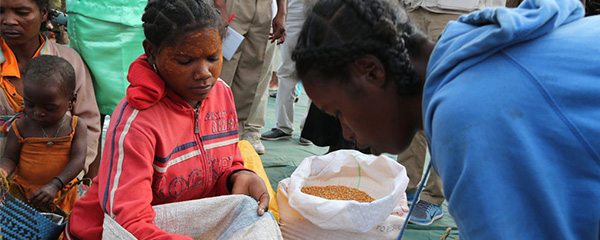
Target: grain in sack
306 216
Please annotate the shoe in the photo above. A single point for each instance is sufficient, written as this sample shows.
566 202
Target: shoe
305 142
410 197
255 142
275 134
274 95
425 213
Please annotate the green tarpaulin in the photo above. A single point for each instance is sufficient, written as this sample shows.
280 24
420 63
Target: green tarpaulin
108 34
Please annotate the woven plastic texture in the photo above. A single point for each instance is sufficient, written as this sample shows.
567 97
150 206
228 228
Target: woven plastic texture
20 221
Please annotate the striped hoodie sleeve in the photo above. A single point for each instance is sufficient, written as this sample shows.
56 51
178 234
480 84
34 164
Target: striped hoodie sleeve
125 192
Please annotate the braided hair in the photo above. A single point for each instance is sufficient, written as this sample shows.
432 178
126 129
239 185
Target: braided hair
337 32
50 70
164 20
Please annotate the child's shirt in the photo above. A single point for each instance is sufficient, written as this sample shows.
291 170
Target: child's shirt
40 160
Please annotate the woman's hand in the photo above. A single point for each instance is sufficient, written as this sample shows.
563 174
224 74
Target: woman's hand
248 183
44 196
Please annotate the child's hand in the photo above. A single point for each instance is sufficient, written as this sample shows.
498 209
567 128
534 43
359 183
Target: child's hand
248 183
44 196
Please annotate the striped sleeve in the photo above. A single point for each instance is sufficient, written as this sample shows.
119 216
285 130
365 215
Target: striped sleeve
125 192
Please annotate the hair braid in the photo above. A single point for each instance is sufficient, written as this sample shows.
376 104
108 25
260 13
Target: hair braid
164 20
354 28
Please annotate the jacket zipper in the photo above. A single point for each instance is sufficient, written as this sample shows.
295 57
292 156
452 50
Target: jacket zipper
203 162
197 125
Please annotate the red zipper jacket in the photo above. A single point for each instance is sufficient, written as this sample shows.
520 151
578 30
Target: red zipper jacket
158 149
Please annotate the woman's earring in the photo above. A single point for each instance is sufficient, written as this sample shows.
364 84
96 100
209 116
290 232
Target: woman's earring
154 66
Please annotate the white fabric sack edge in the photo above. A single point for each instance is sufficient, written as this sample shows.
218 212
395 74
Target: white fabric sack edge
347 215
207 218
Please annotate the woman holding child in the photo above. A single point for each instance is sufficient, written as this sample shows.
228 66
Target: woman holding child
21 41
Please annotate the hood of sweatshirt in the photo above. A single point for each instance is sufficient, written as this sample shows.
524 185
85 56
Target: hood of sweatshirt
476 36
146 87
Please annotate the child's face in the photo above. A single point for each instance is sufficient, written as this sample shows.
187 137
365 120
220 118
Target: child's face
45 105
192 64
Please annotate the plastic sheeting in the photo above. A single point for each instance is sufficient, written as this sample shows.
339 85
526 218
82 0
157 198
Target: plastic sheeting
108 35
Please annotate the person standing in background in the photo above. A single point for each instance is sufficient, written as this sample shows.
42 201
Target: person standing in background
249 70
286 75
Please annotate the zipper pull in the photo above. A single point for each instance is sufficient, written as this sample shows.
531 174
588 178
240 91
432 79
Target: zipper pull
197 128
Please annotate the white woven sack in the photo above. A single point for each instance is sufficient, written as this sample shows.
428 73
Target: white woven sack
223 217
379 176
295 227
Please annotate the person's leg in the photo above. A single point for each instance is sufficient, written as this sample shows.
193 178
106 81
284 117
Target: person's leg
284 101
418 17
513 3
251 81
431 198
245 73
258 110
413 158
431 23
437 23
288 80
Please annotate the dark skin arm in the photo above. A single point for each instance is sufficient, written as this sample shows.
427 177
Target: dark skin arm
44 196
249 183
278 33
12 150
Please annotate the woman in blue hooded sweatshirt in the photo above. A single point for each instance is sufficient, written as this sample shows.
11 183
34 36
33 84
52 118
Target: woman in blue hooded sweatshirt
509 100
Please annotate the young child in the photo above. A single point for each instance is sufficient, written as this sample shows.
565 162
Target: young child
174 136
46 148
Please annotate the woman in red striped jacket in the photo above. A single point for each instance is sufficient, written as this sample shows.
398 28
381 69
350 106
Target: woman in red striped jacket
174 136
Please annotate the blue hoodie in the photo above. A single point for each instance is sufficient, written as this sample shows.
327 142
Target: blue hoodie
512 114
